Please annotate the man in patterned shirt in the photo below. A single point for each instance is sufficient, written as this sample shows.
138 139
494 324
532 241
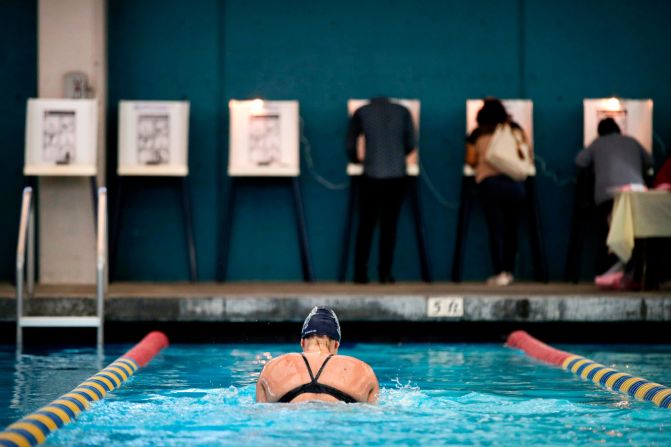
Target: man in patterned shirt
389 138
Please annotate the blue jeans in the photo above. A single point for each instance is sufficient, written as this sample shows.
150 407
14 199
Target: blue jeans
502 201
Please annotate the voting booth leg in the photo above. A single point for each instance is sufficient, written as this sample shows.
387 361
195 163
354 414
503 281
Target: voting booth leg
577 236
647 259
462 228
583 207
424 260
347 232
537 243
643 262
306 261
188 226
227 230
575 245
225 233
654 256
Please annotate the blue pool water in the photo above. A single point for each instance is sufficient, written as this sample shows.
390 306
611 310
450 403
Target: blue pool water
432 394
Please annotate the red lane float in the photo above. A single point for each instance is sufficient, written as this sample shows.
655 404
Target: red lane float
34 428
149 346
536 348
587 369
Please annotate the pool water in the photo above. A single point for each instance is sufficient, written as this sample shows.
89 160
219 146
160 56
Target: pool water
431 394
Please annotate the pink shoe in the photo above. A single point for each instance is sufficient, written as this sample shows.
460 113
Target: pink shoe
609 280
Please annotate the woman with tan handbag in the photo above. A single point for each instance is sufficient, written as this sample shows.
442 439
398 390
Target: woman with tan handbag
501 196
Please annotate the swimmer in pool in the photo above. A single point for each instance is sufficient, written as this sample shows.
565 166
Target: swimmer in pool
318 373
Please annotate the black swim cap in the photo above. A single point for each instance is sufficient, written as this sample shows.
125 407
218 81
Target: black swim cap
321 321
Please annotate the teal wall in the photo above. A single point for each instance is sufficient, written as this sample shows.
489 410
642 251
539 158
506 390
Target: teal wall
18 82
322 53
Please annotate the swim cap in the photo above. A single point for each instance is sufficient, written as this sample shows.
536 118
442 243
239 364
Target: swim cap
321 321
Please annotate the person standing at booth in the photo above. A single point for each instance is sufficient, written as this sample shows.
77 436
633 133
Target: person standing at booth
617 160
501 197
389 138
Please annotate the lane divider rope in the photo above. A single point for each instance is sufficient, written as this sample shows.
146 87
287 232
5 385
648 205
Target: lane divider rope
34 428
587 369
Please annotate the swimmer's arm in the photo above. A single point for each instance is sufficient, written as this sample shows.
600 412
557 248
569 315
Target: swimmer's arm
373 387
261 396
374 391
262 385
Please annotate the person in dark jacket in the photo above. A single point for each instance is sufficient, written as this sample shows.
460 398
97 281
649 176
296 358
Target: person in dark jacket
389 138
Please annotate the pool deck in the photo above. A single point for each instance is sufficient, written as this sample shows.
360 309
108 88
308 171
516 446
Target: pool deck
289 302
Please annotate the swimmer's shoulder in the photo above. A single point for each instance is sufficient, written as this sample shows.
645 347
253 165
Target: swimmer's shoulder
354 363
280 362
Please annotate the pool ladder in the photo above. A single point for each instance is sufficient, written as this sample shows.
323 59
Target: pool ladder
25 251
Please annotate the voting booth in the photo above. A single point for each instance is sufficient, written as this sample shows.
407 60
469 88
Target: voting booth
521 112
153 144
264 143
355 171
634 117
61 140
264 139
153 138
61 137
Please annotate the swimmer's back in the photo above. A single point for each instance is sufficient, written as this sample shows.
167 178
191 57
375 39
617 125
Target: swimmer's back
288 372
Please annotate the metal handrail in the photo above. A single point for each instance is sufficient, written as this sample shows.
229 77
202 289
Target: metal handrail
25 241
23 227
25 252
101 260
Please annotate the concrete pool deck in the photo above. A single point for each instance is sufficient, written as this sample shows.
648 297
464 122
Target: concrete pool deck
289 302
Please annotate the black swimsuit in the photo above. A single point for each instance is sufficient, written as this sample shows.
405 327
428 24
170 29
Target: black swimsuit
316 387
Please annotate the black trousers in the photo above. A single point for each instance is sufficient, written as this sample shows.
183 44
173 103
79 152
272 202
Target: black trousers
502 201
604 260
380 201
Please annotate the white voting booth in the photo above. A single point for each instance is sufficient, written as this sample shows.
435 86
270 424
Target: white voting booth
61 137
264 138
264 142
634 116
61 141
521 111
153 138
154 143
413 105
